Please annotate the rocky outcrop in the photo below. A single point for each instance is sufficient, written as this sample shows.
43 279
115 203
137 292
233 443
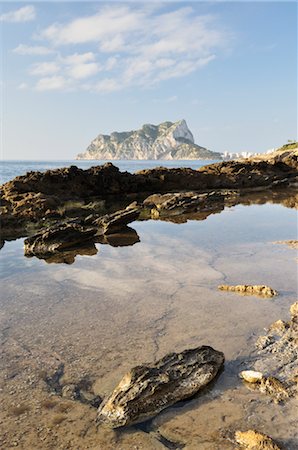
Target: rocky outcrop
261 290
75 234
37 199
148 389
168 205
279 358
275 365
164 141
253 440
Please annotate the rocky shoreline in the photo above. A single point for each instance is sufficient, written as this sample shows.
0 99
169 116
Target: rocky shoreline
71 204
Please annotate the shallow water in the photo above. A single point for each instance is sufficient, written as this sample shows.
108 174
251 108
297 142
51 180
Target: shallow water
129 305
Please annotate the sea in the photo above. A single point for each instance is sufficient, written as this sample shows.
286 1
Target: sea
104 310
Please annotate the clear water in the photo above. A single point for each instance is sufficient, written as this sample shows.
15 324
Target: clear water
125 306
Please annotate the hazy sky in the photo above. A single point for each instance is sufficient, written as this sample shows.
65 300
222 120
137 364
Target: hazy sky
76 69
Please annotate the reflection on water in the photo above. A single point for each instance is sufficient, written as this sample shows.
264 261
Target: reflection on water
129 305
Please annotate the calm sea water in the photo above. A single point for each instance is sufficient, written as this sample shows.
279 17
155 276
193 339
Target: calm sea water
11 169
125 306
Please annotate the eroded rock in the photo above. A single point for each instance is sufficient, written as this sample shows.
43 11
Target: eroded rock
279 360
260 290
58 238
173 204
146 390
63 241
292 243
267 385
113 223
253 440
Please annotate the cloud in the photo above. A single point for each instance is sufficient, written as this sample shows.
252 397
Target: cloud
51 83
129 46
44 68
110 21
24 14
23 49
107 85
80 71
77 58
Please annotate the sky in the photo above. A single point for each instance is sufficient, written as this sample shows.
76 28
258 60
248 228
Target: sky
73 70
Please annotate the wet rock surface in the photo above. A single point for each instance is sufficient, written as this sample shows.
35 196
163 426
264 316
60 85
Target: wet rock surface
248 289
146 390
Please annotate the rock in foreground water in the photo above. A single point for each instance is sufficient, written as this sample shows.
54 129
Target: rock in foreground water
146 390
262 290
253 440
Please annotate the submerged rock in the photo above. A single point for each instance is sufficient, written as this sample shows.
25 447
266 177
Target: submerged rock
261 290
146 390
253 440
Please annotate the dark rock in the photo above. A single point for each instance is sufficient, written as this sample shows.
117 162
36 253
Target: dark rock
113 223
33 196
147 390
172 204
58 239
62 242
68 256
125 237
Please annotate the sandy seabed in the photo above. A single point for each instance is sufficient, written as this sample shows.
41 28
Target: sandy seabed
125 306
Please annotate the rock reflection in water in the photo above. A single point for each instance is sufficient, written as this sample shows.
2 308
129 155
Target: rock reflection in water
68 257
123 238
128 236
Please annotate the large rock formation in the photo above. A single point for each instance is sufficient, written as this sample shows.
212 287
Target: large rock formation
39 198
146 390
164 141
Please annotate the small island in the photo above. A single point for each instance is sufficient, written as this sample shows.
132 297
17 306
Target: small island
166 141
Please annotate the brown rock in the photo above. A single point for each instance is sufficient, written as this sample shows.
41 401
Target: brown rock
253 440
260 290
147 390
29 197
